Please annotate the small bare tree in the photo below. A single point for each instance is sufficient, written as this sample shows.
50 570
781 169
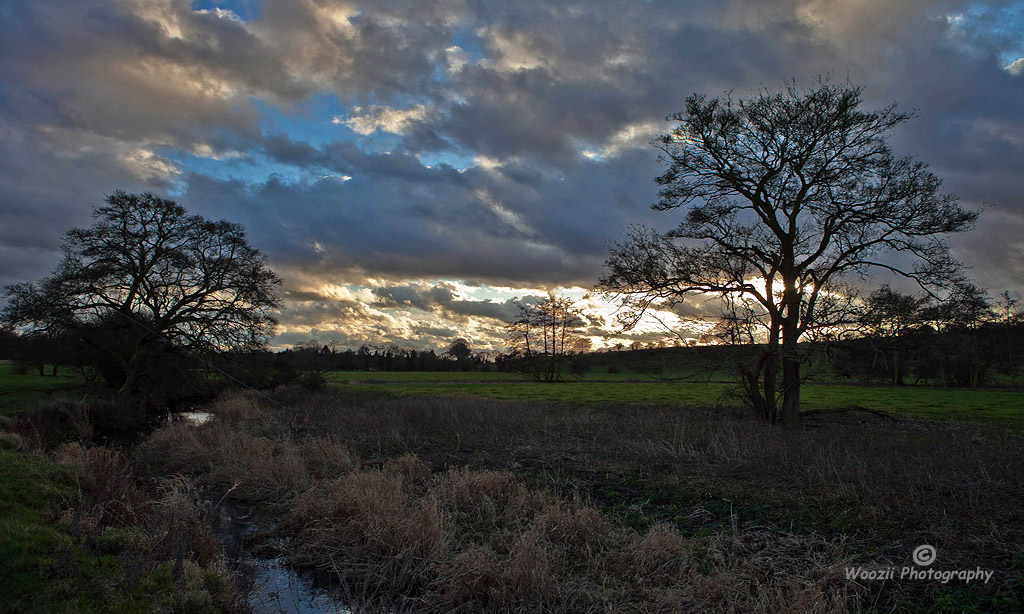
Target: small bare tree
544 335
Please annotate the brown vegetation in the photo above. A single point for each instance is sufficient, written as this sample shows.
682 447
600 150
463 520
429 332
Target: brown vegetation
473 506
166 535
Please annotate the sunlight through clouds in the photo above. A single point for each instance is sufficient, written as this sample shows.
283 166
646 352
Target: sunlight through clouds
366 121
410 168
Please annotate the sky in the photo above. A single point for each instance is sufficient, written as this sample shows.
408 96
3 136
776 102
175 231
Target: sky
409 168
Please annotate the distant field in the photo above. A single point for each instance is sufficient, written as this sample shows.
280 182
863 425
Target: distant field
1003 408
20 391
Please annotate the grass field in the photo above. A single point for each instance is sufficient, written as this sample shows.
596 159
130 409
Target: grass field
996 407
522 506
437 492
18 392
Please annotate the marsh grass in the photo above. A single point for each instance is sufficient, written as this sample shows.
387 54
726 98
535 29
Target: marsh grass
245 465
468 505
462 540
83 534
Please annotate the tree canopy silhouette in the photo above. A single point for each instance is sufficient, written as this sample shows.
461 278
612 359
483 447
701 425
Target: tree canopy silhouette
157 277
784 193
544 335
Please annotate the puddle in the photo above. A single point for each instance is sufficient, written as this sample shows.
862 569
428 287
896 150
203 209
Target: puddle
192 417
277 589
273 587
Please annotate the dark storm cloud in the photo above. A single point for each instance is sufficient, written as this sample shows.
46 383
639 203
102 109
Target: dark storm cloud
98 95
444 297
399 218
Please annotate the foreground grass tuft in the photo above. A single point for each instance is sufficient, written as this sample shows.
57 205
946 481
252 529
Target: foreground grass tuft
79 534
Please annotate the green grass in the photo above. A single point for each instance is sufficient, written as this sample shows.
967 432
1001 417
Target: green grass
478 377
1004 408
342 377
47 566
19 392
582 392
29 485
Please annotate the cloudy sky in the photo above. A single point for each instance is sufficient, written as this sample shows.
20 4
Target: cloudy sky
411 166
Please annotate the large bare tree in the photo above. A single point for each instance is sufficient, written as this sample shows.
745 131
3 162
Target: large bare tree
784 193
165 278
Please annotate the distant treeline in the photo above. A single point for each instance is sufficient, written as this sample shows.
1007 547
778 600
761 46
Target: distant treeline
458 357
987 354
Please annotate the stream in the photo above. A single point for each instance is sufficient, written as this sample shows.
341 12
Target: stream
273 587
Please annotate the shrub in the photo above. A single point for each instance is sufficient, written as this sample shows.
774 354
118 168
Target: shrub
11 441
312 380
54 423
107 488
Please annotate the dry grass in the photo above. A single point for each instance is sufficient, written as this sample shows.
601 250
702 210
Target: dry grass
477 506
235 406
109 493
249 467
483 541
113 516
880 471
12 441
180 524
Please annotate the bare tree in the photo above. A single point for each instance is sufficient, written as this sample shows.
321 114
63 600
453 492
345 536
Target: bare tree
166 279
961 315
1008 317
888 319
784 193
545 334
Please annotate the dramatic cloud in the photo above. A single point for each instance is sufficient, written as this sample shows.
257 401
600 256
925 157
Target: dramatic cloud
410 167
383 118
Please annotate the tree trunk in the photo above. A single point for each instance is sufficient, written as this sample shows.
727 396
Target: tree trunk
133 367
791 360
790 379
897 369
760 381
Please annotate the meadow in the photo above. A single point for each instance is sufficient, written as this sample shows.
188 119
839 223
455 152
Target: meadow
21 390
488 492
997 407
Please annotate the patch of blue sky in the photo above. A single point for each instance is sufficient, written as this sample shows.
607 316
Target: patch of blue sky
246 10
1002 26
309 121
471 45
250 169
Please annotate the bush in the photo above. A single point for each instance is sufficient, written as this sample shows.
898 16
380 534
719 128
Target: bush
312 380
11 441
54 423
